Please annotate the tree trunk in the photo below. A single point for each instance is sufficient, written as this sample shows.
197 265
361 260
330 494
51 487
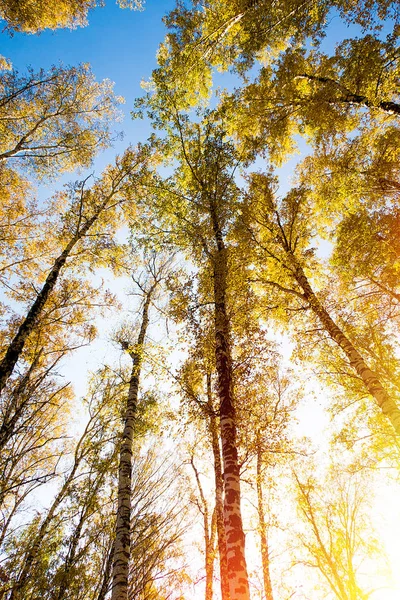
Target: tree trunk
123 528
219 494
263 528
370 379
209 535
235 540
105 584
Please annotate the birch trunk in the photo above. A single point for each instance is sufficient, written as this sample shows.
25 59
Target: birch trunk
123 527
370 379
219 494
235 540
263 529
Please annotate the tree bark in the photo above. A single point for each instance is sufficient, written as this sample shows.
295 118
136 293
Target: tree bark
370 379
262 528
219 494
123 528
235 539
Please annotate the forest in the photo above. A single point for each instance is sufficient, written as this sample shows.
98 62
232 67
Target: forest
200 358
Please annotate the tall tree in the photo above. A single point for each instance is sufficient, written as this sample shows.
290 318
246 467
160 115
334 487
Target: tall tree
154 272
55 120
202 198
282 233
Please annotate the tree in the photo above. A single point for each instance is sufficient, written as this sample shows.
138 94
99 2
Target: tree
92 455
337 537
30 457
265 410
33 18
54 121
282 236
154 273
196 381
64 326
238 35
202 199
325 99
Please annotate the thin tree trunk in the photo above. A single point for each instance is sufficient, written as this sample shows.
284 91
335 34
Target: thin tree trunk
123 528
219 494
235 539
370 379
105 584
262 528
209 536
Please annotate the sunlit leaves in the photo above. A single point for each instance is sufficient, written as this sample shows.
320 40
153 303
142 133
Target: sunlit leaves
55 121
33 17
